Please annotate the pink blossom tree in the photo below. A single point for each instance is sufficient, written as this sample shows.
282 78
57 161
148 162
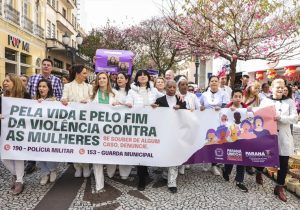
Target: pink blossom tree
236 29
154 40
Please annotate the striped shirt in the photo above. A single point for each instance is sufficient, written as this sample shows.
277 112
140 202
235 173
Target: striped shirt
55 81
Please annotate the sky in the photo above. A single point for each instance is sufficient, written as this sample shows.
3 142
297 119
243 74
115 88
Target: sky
95 13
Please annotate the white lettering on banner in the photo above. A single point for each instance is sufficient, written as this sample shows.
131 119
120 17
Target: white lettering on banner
93 133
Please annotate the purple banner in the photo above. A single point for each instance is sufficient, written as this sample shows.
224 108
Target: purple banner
261 151
114 61
250 142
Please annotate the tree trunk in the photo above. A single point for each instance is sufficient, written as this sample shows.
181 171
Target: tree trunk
233 63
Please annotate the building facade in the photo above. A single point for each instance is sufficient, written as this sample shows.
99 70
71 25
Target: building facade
22 45
61 19
31 30
204 72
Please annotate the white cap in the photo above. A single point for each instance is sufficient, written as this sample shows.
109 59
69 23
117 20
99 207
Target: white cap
181 79
245 74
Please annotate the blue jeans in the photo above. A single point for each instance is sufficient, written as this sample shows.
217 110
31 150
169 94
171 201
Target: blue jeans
47 167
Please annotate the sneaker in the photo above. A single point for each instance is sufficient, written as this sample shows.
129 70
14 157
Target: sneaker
242 187
250 170
30 167
19 187
86 171
124 177
215 171
173 189
53 176
259 179
44 180
78 173
205 166
225 176
181 170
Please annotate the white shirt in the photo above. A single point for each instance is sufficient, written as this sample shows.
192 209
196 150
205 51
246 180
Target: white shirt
192 101
75 92
227 90
263 95
121 96
212 100
171 101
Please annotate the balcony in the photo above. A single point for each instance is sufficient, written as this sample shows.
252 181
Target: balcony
53 43
64 25
70 4
27 24
39 31
12 14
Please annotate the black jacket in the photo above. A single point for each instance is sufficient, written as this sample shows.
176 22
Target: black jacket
162 101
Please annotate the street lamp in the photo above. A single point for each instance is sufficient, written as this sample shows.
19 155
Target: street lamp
66 40
197 63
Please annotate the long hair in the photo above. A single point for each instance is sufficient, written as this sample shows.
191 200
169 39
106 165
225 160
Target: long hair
49 85
247 93
127 87
289 95
76 69
18 90
140 73
97 87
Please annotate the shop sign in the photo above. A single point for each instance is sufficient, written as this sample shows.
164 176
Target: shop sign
18 43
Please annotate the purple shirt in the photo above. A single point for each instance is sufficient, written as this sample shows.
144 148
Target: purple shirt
55 81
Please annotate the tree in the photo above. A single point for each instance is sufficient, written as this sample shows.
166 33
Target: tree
154 41
236 29
107 37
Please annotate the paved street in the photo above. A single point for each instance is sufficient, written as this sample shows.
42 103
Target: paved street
197 190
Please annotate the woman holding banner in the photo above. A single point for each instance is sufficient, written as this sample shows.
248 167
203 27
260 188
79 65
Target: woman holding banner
286 114
251 99
122 88
48 169
142 94
192 103
214 98
78 91
103 94
13 87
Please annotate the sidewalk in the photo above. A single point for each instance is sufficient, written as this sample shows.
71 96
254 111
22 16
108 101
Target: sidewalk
196 190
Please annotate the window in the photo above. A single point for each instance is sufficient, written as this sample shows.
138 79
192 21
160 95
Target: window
37 13
49 2
25 8
48 29
10 2
64 13
53 3
57 63
53 31
10 63
10 54
73 20
24 58
10 68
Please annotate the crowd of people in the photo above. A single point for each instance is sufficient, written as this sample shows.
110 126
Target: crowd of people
168 91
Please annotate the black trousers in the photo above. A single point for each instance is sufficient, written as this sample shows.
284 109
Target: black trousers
142 172
283 170
240 172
